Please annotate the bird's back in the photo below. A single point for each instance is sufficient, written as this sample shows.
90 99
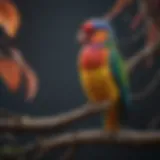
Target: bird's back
120 75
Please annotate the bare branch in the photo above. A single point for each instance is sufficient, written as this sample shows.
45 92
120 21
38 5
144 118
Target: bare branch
126 137
134 60
151 87
148 50
44 124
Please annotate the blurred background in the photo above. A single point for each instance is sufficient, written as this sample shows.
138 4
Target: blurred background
47 39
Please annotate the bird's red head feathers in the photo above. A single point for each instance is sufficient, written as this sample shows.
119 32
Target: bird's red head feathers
87 27
94 31
85 32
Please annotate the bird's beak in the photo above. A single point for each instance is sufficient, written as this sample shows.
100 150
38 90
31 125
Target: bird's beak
81 37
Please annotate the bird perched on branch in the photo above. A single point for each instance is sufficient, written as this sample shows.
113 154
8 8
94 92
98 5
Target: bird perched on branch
12 64
102 70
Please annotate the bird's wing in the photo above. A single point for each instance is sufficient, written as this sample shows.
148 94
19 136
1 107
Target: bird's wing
120 74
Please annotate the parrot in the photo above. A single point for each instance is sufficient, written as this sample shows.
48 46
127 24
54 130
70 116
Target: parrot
12 64
102 72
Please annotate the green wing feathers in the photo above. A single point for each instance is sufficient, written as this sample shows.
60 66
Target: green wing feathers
120 74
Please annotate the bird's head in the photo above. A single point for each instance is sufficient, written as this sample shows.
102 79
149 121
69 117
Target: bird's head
94 31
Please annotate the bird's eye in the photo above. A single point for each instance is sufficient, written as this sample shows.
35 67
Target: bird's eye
87 27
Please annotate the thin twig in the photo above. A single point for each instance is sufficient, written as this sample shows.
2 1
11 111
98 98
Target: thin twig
151 87
141 55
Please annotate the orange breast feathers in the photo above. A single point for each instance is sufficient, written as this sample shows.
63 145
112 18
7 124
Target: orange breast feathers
95 75
9 17
91 57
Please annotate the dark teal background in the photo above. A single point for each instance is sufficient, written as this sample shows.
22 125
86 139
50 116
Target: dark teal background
47 39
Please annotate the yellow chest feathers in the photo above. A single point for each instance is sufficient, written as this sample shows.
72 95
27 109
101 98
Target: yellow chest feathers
99 84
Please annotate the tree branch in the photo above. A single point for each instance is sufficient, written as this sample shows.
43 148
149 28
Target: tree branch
148 50
151 87
44 124
141 55
95 136
92 136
